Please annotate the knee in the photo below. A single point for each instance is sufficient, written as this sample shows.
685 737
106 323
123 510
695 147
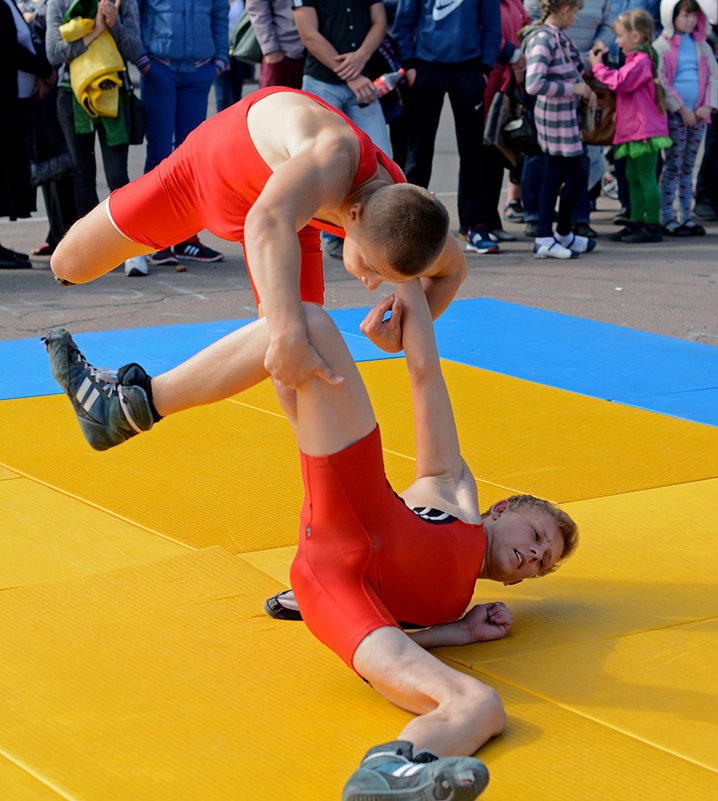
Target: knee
484 704
60 264
319 323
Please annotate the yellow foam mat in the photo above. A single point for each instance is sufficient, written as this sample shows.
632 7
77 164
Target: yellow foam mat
47 535
16 783
550 442
168 682
635 570
133 667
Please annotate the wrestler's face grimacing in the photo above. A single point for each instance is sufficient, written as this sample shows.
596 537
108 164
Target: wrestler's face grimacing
368 262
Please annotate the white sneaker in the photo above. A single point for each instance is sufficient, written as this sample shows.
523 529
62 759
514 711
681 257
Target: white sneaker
549 248
137 265
500 235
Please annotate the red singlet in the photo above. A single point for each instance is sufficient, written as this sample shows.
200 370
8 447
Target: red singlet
211 181
365 560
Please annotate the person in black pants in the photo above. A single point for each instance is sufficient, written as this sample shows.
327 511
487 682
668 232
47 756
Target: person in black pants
451 55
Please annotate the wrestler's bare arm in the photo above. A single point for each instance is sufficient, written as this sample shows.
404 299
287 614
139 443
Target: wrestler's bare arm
443 479
443 281
313 165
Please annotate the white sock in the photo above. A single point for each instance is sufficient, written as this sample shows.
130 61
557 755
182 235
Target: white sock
563 239
544 240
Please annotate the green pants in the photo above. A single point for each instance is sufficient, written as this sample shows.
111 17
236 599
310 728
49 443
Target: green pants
643 188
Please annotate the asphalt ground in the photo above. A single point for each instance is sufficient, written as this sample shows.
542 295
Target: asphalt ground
668 288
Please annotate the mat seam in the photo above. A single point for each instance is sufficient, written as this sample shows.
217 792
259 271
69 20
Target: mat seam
600 722
96 506
590 642
35 776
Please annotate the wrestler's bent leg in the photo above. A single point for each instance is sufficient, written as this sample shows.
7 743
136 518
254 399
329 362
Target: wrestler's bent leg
91 248
456 713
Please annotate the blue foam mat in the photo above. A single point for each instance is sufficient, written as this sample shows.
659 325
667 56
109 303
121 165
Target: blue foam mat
661 374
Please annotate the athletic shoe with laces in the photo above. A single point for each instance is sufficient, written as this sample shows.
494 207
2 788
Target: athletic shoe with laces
514 211
549 248
644 233
584 229
109 407
165 256
390 772
500 235
479 241
704 211
617 236
194 250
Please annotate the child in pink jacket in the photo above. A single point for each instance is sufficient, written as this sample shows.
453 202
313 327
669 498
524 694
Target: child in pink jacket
641 126
689 75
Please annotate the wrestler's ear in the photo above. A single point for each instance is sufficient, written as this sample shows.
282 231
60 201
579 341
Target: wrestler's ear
499 508
356 210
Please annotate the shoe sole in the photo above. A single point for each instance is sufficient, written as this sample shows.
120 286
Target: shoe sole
134 272
462 784
171 262
490 249
199 258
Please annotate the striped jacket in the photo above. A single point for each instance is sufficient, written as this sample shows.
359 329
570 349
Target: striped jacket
550 76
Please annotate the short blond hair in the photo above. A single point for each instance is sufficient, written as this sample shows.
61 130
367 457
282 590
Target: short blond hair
566 525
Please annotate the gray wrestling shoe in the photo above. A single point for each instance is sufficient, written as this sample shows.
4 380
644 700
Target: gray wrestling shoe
390 772
109 407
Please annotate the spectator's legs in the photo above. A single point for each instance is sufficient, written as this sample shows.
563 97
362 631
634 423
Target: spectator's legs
694 137
466 84
82 152
582 211
494 162
575 180
624 197
287 72
552 178
707 185
159 94
425 110
531 182
114 160
673 159
192 96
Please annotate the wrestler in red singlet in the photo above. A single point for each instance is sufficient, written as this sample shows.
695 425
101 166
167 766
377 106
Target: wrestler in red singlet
365 560
211 181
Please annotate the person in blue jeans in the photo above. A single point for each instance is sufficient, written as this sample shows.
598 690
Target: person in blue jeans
185 46
340 40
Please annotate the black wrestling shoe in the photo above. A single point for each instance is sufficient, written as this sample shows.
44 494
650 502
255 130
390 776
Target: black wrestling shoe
108 410
391 772
274 608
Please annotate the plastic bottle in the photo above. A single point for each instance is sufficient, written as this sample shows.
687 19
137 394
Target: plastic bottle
385 83
388 81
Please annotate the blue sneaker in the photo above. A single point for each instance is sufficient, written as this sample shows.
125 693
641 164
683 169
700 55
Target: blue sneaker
108 410
479 241
390 772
